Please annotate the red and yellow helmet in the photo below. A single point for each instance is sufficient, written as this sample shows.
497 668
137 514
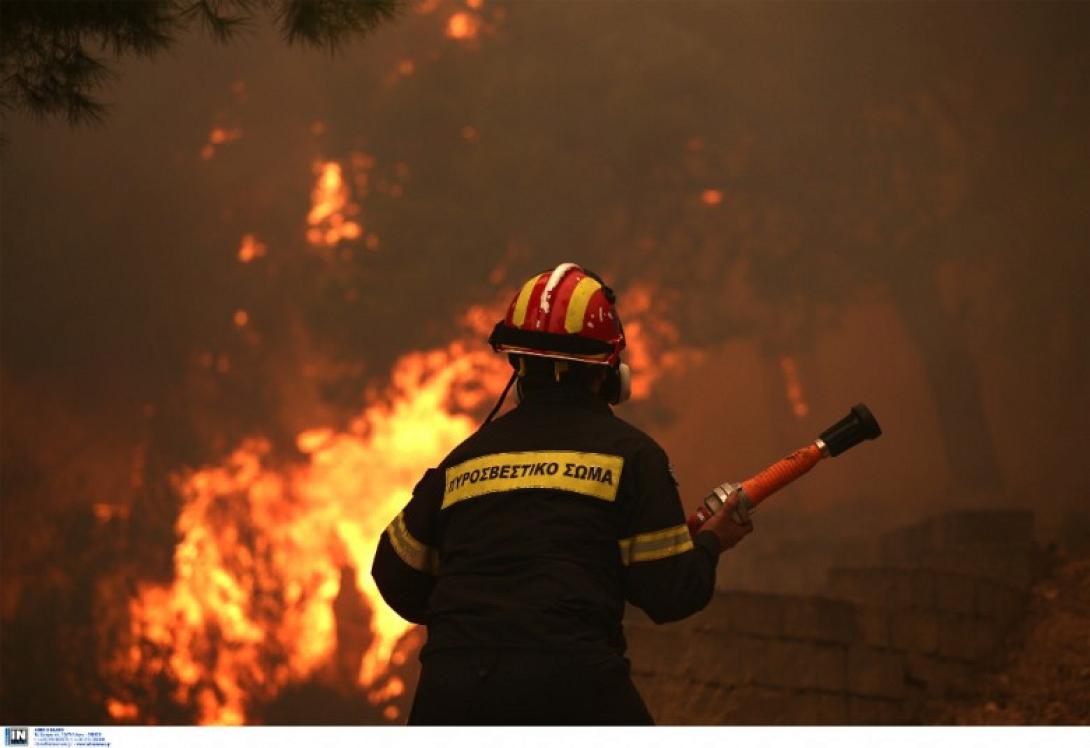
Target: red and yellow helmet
567 314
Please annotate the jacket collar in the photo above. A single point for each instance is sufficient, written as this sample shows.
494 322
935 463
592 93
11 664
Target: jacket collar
565 396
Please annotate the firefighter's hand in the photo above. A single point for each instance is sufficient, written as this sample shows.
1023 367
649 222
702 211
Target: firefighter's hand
729 527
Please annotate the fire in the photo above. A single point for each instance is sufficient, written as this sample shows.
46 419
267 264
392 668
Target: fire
793 387
711 197
651 340
462 25
331 207
251 249
272 571
122 711
241 318
272 584
217 137
394 687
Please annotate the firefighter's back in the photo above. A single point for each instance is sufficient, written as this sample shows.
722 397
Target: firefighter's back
532 511
524 623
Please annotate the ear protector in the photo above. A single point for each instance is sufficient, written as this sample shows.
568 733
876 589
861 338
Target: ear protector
617 387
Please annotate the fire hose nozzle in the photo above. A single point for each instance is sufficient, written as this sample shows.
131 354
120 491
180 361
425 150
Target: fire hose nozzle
859 425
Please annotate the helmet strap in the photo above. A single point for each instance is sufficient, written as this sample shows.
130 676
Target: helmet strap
499 403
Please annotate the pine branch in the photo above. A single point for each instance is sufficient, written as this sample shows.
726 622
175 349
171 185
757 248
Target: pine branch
47 70
327 24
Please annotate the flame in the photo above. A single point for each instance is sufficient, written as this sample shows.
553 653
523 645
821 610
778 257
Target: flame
711 197
272 584
217 137
241 318
651 339
406 67
793 387
251 248
104 512
469 134
220 135
394 687
269 550
462 26
122 711
330 204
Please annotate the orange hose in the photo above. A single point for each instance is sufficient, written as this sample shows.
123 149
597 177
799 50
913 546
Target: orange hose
779 474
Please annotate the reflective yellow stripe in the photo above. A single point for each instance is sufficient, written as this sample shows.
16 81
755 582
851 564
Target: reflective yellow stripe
650 546
523 301
577 304
587 473
409 549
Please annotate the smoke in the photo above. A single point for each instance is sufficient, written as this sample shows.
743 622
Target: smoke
890 198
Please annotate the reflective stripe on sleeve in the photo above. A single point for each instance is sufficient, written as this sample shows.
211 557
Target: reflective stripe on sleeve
409 549
650 546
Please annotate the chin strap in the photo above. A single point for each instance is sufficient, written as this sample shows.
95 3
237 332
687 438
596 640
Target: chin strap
499 403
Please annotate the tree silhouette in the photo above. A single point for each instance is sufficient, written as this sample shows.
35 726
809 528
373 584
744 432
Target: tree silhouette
54 54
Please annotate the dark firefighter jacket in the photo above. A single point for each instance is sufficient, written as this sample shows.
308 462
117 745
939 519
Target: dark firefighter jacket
533 532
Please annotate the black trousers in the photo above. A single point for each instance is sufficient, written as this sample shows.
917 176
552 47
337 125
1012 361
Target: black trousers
519 687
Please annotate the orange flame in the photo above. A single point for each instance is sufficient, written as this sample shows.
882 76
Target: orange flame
651 340
263 546
217 137
122 711
330 204
711 197
251 248
793 387
274 555
220 135
462 26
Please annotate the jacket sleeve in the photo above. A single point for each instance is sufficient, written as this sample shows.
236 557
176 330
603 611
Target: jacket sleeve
407 558
666 574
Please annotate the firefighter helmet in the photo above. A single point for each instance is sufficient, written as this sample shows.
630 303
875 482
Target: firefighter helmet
567 314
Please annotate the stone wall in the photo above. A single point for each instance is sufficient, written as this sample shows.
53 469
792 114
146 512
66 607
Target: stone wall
881 638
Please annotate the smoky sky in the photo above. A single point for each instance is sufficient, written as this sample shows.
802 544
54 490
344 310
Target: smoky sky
903 213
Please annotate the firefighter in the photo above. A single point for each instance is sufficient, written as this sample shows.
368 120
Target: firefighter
520 550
